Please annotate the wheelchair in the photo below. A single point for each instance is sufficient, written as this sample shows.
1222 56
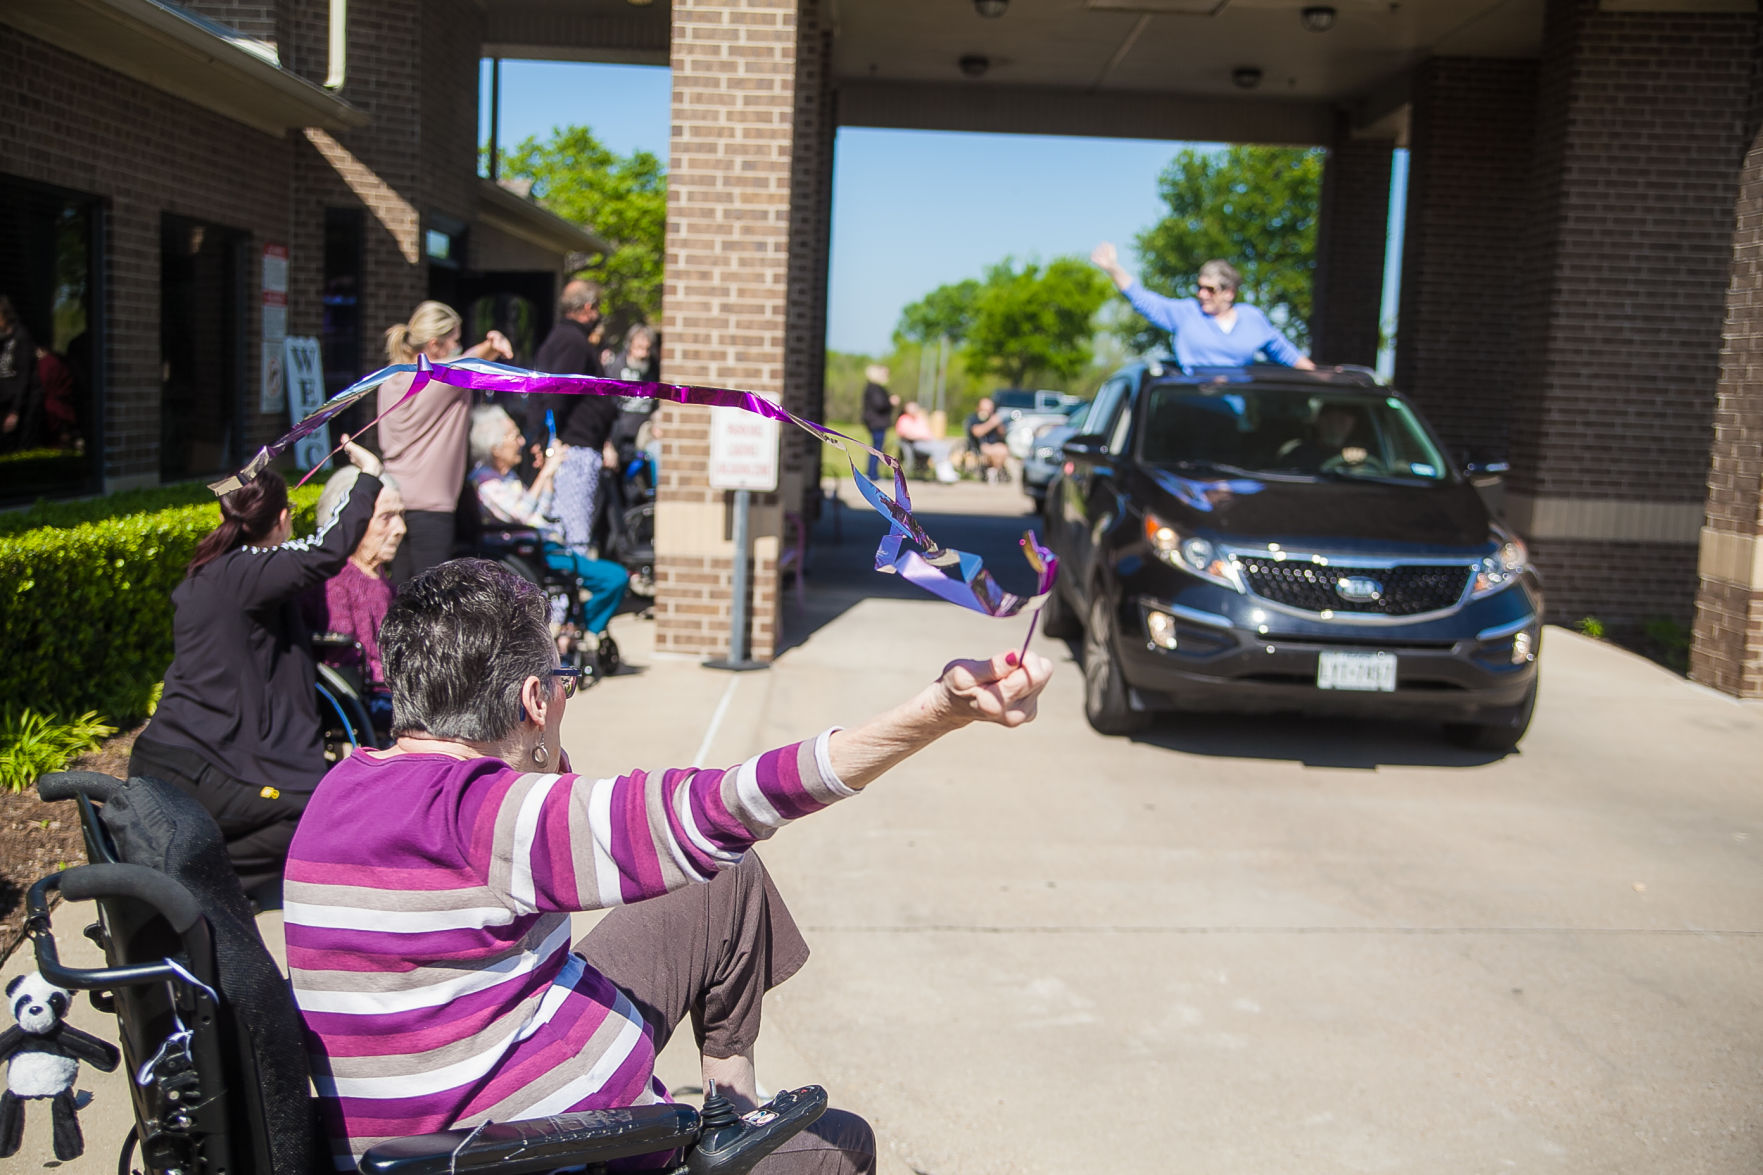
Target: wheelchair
521 549
349 714
210 1033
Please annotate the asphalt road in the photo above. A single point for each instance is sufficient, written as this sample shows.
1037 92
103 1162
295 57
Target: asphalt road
1230 945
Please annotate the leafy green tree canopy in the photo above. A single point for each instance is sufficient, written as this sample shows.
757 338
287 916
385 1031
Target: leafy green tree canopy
1034 318
621 197
946 311
1255 207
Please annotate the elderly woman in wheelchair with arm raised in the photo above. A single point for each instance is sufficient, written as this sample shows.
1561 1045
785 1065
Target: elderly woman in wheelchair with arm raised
496 445
430 887
237 723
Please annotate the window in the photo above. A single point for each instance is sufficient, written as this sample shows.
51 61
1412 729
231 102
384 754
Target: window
1099 421
50 377
201 346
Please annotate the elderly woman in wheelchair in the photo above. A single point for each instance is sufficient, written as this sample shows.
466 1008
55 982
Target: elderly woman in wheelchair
496 445
430 886
345 612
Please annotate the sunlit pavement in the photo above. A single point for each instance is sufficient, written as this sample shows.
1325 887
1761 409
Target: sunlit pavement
1233 945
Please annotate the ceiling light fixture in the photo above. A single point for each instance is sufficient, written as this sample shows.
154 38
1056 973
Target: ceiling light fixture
974 65
1246 77
990 7
1318 18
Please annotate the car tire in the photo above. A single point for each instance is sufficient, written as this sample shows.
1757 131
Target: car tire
1500 737
1058 620
1106 703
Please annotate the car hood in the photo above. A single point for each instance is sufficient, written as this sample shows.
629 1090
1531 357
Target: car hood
1448 517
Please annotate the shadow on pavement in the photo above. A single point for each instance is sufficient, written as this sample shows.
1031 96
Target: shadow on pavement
1355 743
841 562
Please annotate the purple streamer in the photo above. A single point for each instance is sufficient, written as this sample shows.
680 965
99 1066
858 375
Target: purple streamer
956 576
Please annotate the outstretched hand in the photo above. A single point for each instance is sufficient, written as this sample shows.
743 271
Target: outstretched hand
1005 690
362 459
1105 255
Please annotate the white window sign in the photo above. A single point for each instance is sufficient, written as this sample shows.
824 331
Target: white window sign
305 373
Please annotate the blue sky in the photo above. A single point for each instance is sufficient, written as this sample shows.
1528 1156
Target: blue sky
911 209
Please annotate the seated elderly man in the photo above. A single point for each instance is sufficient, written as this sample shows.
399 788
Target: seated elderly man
917 445
429 886
496 445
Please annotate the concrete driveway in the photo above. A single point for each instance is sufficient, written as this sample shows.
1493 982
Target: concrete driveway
1248 946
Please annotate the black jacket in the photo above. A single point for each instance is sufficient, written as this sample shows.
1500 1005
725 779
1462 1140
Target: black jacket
878 407
583 421
240 691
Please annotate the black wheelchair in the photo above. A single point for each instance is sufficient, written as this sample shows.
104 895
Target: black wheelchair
350 712
214 1044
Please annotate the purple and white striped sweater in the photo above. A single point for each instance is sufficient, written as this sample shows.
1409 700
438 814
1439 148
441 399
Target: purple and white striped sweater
428 932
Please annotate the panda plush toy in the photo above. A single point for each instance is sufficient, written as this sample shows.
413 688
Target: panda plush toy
43 1054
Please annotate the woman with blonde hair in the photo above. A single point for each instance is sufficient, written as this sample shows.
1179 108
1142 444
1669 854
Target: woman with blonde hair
426 442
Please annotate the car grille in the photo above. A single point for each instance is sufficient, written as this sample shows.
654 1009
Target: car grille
1399 591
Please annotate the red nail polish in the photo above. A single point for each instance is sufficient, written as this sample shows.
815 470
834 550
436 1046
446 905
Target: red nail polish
1010 659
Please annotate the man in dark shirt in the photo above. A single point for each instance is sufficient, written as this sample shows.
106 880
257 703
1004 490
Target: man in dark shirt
583 423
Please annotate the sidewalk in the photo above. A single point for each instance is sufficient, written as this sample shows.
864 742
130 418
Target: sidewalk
1249 945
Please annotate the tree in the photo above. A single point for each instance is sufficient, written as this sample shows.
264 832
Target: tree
1254 207
1034 319
623 198
945 312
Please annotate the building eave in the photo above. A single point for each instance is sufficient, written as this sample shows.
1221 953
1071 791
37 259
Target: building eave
190 58
519 217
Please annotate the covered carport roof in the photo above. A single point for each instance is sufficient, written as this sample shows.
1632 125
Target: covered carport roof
1136 68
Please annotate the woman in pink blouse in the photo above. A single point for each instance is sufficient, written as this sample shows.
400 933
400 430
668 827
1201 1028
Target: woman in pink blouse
354 600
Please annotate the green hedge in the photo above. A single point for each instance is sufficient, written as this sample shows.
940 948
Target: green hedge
85 597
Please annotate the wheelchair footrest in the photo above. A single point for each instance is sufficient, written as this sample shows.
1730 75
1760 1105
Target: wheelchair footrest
538 1144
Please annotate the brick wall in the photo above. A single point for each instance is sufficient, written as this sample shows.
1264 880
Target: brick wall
80 126
1463 248
745 223
1352 229
1639 128
377 167
1638 137
254 18
1727 651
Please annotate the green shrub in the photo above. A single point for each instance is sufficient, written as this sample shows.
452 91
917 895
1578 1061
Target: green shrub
86 608
1590 626
68 513
32 744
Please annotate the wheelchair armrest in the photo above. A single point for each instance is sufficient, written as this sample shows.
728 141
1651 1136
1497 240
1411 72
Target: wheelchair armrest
335 640
539 1144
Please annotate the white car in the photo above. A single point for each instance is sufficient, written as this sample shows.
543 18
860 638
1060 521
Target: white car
1028 414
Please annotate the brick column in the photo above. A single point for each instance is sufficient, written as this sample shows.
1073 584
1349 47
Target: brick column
746 210
1352 230
1468 205
1640 127
1727 652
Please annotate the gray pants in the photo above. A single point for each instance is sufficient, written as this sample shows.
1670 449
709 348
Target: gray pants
711 952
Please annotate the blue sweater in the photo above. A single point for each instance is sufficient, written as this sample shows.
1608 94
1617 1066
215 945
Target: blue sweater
1199 342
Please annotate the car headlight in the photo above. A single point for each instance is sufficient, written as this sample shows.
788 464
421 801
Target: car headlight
1196 556
1498 570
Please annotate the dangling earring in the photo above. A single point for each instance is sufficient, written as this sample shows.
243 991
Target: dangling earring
540 754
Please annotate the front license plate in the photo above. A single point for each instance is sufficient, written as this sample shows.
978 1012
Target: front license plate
1357 671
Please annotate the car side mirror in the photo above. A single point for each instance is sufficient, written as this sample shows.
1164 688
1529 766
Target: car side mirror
1485 468
1087 446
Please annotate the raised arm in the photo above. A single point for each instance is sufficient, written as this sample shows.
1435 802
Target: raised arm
1107 259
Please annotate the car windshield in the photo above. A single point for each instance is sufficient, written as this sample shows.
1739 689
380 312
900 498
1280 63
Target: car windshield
1325 434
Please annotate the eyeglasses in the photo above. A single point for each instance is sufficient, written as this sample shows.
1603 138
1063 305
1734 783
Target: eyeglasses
1206 289
571 676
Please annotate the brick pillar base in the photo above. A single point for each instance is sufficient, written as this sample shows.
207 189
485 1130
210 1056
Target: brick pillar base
1352 229
1727 649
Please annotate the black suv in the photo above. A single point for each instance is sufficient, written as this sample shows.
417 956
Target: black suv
1263 539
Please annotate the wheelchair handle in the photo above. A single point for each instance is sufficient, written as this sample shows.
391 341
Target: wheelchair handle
68 785
82 882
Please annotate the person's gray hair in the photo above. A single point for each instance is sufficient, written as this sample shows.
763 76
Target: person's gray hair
337 488
577 296
1223 273
458 643
489 424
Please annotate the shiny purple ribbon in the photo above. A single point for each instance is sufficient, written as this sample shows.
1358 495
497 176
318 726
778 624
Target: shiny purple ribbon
956 576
